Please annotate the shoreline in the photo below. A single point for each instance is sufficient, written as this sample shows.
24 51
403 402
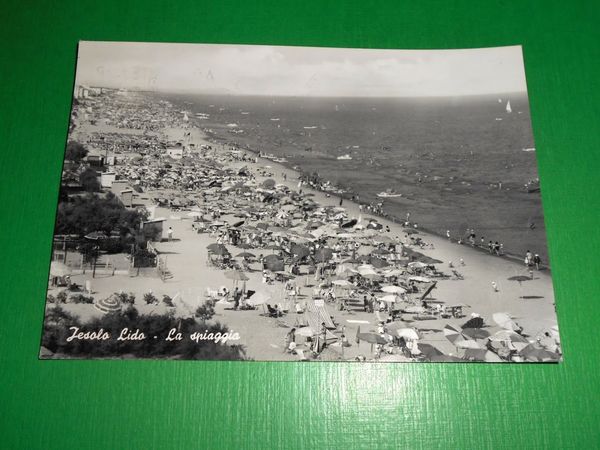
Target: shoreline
210 136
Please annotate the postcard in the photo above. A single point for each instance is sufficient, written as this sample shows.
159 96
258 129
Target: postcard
268 203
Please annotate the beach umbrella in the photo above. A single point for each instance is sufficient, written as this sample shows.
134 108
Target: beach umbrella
301 251
408 333
343 283
259 298
428 260
476 333
236 275
390 298
393 273
473 322
349 224
380 251
505 321
519 278
428 350
378 263
393 289
480 354
371 338
109 304
245 255
305 332
468 343
382 239
273 263
269 183
419 279
217 249
238 224
323 254
95 235
59 269
452 333
508 336
244 246
537 354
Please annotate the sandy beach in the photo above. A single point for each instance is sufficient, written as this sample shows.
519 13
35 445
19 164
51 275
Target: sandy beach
530 303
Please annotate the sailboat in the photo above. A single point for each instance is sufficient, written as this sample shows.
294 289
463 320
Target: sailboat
508 108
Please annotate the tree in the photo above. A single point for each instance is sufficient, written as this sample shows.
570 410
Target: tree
89 180
75 151
88 213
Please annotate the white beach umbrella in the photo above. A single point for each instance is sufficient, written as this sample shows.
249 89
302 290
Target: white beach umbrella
259 298
59 269
393 289
390 298
408 333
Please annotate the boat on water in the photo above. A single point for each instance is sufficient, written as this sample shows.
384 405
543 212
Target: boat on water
344 157
533 185
275 119
529 149
389 193
279 160
508 108
310 128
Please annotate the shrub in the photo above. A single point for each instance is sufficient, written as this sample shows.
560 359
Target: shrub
80 298
168 301
126 299
61 297
150 299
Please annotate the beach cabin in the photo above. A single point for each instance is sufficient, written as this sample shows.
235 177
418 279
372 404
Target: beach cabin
107 179
126 197
175 152
153 229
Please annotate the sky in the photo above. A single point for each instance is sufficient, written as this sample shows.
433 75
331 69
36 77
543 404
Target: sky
300 71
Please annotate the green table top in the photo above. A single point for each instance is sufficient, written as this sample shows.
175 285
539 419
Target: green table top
171 404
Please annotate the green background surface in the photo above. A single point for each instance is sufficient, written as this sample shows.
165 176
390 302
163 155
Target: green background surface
172 404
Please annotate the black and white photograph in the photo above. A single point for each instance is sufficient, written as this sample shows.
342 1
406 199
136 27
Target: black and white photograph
270 203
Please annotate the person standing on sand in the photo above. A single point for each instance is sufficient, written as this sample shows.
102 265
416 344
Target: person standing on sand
494 286
528 258
448 234
537 261
290 338
170 234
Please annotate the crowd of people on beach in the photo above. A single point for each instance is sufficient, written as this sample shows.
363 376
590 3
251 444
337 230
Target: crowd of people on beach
314 259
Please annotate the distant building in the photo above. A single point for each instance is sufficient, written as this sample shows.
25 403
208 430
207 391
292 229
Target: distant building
95 160
153 229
